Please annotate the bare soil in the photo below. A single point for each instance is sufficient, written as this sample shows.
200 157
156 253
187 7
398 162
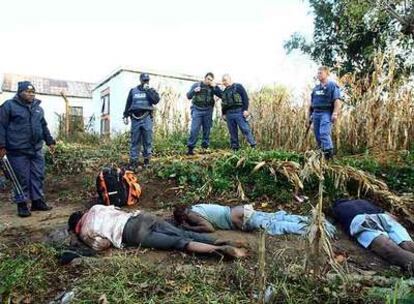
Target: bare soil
67 195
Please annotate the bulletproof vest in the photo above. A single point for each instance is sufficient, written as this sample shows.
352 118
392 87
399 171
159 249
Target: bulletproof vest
231 98
204 98
140 100
322 98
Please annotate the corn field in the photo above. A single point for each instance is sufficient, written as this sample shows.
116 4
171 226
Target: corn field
377 114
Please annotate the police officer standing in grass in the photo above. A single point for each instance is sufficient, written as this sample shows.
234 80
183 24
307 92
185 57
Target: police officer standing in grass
324 110
234 105
23 129
202 96
139 106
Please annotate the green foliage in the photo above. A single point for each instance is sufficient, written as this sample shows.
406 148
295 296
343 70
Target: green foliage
29 271
221 174
349 32
397 173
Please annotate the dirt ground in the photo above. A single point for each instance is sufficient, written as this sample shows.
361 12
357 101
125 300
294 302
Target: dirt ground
67 195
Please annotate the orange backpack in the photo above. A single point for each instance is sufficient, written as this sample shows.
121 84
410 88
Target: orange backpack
117 187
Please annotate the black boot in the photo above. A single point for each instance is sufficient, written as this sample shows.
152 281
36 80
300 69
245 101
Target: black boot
190 151
40 205
328 154
22 210
146 162
133 164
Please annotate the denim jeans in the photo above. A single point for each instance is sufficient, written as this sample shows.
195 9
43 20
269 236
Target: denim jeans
236 120
200 117
30 171
322 127
141 134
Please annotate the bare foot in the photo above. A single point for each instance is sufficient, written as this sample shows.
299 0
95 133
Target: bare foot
233 251
235 243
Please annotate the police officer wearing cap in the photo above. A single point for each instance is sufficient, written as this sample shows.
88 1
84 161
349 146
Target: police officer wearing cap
139 106
23 129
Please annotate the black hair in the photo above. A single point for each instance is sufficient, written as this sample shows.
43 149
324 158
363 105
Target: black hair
209 74
179 213
73 220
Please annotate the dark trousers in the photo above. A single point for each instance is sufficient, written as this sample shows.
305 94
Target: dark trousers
160 235
200 117
236 121
30 171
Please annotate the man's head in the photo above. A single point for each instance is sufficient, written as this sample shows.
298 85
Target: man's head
74 219
144 78
323 74
180 213
26 91
209 78
226 80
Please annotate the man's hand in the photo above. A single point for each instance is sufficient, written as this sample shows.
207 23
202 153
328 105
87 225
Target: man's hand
334 117
245 114
2 152
52 149
197 89
126 120
146 86
213 84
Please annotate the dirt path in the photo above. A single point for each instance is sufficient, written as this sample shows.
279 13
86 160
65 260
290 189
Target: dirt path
67 195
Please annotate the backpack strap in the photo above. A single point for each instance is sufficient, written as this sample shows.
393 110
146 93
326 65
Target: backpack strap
104 189
134 191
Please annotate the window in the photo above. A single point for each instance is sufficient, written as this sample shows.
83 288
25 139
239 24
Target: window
76 111
105 101
105 111
105 127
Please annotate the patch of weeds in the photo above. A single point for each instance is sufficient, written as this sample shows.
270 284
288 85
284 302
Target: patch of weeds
31 271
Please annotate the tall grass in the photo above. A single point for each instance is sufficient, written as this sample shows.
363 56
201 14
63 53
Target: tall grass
378 114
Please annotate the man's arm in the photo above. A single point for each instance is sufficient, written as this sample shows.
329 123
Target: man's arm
197 223
217 91
96 242
4 122
191 93
46 133
337 103
245 98
153 96
128 104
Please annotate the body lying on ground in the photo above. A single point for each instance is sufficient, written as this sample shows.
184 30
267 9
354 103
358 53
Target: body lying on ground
209 217
101 227
376 230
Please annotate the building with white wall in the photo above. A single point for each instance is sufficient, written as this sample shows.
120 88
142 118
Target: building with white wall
49 91
110 95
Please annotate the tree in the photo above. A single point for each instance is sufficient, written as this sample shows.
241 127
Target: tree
348 33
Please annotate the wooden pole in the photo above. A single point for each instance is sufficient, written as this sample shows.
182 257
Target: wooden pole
67 120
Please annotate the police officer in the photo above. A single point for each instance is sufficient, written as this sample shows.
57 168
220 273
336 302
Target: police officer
139 106
202 96
23 129
234 105
324 110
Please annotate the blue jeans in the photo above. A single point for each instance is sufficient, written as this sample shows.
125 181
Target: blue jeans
30 171
141 133
279 223
235 120
322 127
367 227
200 117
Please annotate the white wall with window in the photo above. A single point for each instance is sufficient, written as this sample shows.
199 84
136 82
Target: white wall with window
109 97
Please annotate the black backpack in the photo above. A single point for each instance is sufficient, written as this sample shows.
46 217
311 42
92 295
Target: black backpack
117 187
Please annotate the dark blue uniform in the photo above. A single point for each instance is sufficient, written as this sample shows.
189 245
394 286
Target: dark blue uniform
322 105
23 130
139 106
